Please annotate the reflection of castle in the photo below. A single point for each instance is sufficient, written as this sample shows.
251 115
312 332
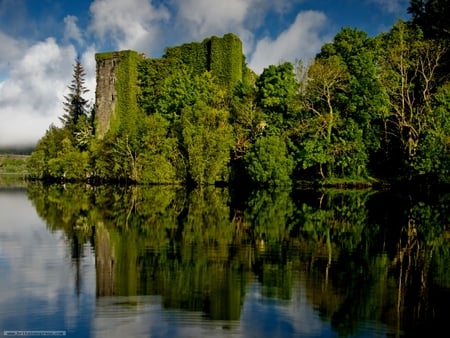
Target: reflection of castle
104 262
195 279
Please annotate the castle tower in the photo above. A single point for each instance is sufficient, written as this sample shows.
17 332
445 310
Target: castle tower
115 94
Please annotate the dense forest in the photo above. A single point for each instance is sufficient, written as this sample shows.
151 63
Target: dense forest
365 109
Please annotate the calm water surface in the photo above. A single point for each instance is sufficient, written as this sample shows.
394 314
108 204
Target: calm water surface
164 262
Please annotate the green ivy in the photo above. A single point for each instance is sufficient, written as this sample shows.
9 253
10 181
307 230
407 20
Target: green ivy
127 109
226 59
222 56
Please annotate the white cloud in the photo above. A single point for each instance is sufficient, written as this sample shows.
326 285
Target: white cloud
392 6
217 16
88 62
37 277
11 50
198 19
31 97
34 76
302 40
131 24
71 30
205 17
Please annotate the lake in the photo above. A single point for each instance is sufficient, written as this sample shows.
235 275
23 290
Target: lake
162 261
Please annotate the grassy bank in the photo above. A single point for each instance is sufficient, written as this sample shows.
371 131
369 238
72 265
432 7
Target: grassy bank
13 170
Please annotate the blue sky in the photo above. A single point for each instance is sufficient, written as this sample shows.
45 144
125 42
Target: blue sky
40 39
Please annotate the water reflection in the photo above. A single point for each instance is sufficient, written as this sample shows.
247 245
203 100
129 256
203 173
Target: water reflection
37 283
215 262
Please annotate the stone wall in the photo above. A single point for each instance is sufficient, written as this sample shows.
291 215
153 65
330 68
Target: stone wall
105 93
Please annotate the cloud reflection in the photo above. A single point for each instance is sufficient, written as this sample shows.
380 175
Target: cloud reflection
37 290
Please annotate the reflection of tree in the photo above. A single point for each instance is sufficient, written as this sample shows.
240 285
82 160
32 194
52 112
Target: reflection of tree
422 250
200 273
65 207
333 225
270 214
360 256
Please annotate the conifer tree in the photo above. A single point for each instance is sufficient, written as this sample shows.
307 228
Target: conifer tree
75 105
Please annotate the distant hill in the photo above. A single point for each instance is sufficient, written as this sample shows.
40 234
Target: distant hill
19 150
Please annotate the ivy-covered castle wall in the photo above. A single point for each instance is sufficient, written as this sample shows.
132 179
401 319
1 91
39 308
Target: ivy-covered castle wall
116 92
116 105
223 57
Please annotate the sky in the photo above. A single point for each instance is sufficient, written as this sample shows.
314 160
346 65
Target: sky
41 39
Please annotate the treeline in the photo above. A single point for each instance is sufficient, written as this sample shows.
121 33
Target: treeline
365 109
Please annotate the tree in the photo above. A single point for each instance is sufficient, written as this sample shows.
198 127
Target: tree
326 140
268 162
410 78
62 152
115 157
70 163
433 153
364 99
47 148
320 84
160 160
247 118
277 90
432 17
207 139
75 105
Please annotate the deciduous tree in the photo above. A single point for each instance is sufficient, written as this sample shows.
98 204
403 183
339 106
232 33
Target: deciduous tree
410 79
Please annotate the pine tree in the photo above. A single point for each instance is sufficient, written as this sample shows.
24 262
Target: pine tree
75 105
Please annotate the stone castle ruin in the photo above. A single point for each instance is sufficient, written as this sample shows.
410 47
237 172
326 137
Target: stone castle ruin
118 72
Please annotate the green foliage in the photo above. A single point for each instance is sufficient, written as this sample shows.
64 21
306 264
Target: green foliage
277 95
62 153
248 119
221 56
13 164
268 162
128 114
152 74
410 78
433 154
183 89
115 157
364 99
194 55
363 106
329 142
37 164
70 163
226 59
207 140
47 148
314 154
160 160
432 17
